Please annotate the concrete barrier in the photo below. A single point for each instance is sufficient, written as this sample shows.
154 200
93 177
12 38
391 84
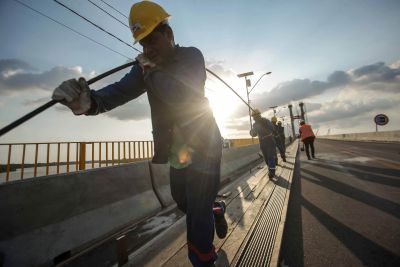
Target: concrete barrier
42 218
236 158
389 136
160 176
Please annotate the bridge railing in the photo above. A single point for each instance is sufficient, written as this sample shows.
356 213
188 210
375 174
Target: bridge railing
26 160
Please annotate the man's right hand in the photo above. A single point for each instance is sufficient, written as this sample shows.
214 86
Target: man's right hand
145 63
74 94
253 132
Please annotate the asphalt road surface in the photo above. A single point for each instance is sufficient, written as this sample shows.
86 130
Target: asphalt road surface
344 208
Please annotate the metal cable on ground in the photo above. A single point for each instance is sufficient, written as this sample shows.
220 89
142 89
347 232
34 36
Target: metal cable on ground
113 8
97 26
102 9
71 29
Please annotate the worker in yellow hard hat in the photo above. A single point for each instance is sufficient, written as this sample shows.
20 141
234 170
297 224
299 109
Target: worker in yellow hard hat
264 129
184 130
281 133
278 140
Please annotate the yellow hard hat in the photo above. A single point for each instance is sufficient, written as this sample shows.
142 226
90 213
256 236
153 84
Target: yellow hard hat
274 119
144 17
256 112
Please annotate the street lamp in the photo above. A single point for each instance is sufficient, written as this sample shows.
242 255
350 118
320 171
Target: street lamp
248 84
259 80
274 109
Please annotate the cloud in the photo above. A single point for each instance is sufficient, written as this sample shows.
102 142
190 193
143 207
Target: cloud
8 66
377 72
345 99
347 109
36 102
378 76
218 67
351 93
138 109
17 76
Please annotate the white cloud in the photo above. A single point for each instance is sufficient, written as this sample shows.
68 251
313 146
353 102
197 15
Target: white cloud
352 93
18 76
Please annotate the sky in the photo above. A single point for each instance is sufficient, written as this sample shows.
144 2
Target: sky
340 57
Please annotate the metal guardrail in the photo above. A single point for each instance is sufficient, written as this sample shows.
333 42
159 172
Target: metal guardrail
60 157
27 160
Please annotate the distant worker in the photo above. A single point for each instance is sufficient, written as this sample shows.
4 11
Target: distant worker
307 137
281 132
278 140
184 130
265 131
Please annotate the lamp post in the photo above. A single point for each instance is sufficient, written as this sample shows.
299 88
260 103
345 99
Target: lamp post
259 80
274 109
248 84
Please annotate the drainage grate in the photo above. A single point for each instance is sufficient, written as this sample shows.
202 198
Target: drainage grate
259 246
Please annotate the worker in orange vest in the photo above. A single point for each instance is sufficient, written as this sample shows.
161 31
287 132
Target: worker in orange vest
307 137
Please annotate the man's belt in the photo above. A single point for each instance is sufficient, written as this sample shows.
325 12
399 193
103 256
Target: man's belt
265 136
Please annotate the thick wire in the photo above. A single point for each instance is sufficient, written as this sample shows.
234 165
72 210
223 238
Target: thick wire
113 8
219 78
105 11
97 26
69 28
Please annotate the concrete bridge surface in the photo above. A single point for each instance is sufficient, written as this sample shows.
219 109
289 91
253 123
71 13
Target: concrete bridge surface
344 207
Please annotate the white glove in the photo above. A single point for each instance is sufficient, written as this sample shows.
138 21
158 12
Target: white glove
74 94
145 63
253 132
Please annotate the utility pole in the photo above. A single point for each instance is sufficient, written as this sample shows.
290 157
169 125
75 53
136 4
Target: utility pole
292 119
248 84
274 109
301 104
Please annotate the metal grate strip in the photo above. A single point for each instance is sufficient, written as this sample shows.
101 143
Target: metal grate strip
259 246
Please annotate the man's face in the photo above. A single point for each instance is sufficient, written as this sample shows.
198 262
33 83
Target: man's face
158 46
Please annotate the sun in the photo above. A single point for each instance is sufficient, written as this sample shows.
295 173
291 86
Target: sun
222 102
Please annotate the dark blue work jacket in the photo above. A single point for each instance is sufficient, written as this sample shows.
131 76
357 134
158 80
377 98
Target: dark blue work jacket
176 95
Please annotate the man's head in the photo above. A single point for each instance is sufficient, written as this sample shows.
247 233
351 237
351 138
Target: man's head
279 123
302 122
274 120
149 25
256 114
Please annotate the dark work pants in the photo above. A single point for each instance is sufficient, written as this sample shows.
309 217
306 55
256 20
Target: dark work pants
280 146
268 148
309 142
194 189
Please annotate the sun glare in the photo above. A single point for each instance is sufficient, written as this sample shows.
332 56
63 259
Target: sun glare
223 104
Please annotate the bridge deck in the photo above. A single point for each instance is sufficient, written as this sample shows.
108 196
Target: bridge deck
345 207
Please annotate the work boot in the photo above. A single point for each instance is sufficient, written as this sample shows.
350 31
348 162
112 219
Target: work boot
271 174
221 226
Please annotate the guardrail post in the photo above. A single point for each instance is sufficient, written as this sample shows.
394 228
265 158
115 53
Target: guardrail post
82 155
122 250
